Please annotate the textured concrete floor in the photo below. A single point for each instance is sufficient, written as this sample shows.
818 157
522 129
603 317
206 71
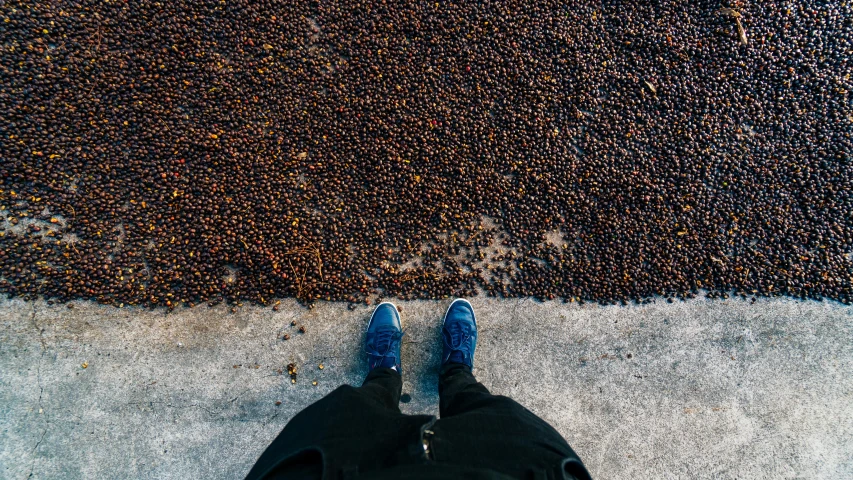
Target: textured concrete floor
701 389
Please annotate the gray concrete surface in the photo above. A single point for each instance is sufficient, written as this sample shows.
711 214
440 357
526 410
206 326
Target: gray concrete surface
702 389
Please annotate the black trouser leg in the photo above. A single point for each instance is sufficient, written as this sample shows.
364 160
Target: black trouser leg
492 431
383 385
351 429
458 390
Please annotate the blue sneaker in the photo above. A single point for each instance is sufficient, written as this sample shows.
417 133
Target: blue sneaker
384 333
459 334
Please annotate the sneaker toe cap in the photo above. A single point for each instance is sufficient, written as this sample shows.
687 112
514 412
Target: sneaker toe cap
385 314
461 310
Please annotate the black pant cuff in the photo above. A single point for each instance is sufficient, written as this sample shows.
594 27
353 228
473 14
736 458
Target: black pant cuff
382 373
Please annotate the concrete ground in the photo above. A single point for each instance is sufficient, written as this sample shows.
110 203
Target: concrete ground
702 389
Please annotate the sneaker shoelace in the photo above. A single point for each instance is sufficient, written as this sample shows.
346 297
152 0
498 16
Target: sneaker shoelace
459 346
385 337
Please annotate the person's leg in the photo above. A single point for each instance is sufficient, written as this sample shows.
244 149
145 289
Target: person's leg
383 386
490 431
478 429
384 333
458 390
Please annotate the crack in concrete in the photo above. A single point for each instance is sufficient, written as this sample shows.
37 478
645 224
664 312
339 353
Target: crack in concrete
33 465
239 395
270 419
169 405
210 411
41 411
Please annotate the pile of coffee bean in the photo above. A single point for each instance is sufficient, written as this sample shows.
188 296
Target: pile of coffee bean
166 153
